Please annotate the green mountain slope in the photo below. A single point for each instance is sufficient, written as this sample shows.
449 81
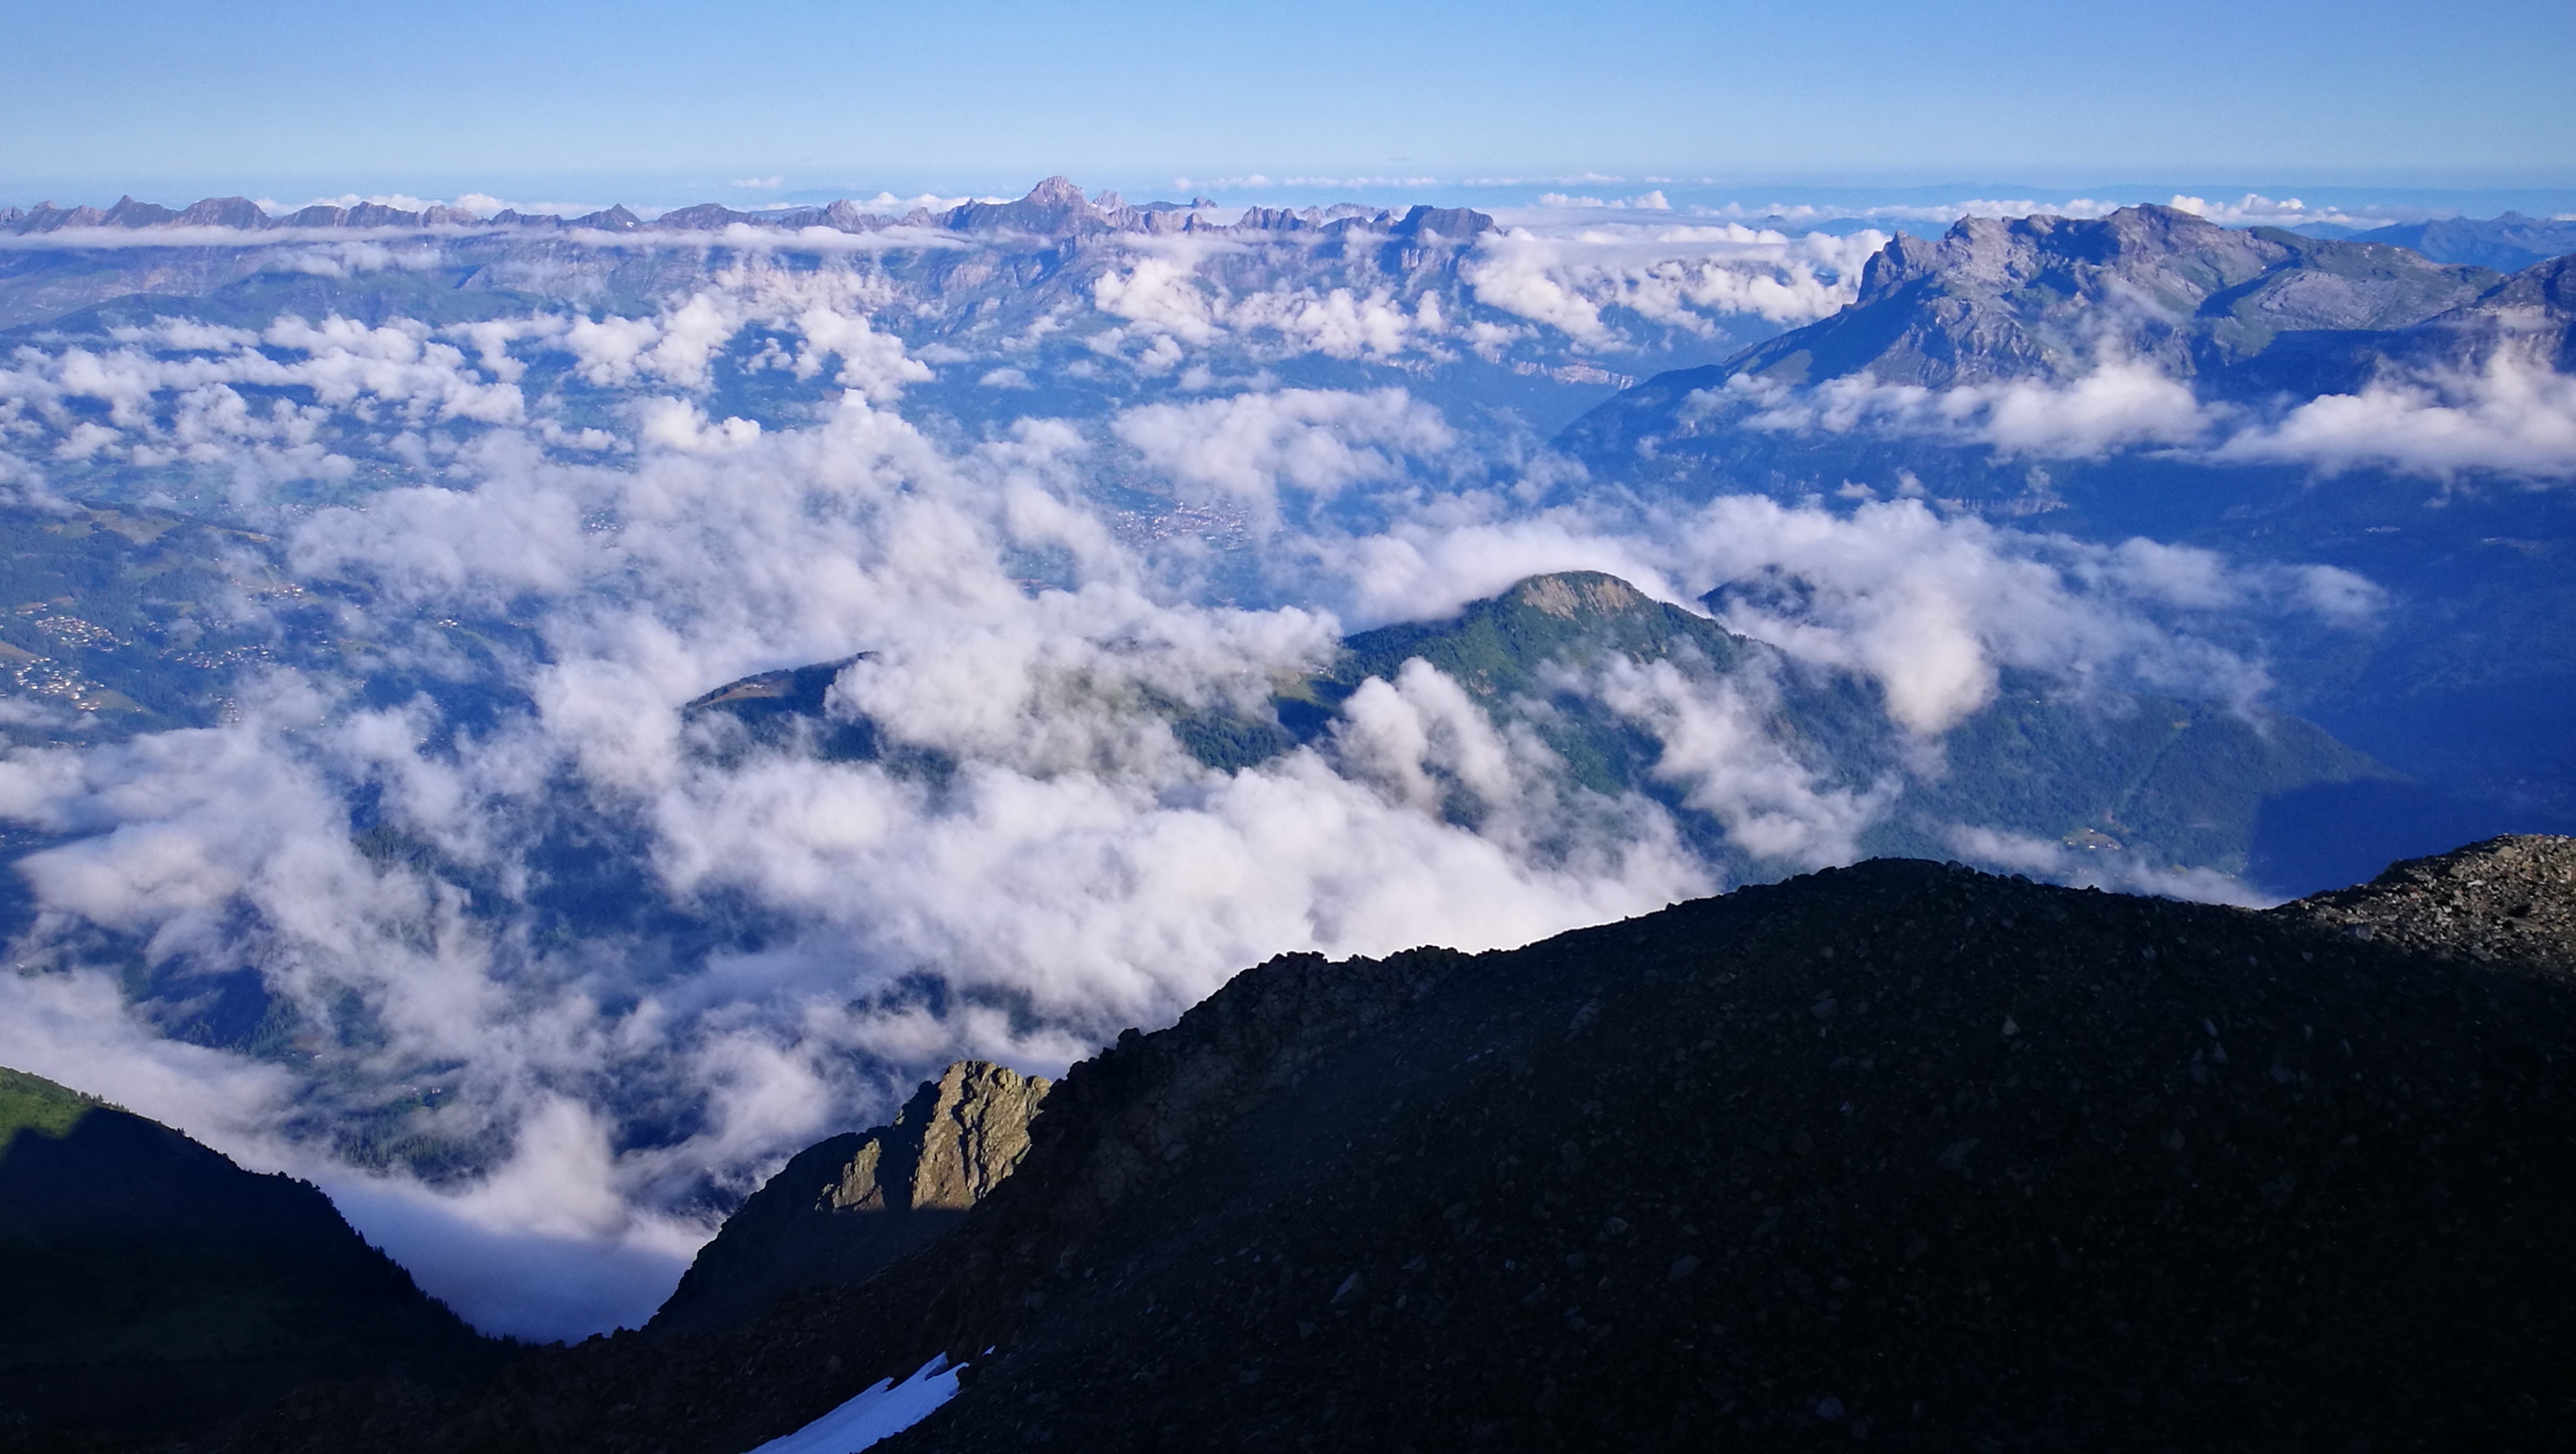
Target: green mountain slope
2154 780
153 1286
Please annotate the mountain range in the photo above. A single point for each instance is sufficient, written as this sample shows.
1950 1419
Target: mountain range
1054 208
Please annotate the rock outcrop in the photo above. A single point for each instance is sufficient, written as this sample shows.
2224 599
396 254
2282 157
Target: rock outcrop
845 1207
2513 903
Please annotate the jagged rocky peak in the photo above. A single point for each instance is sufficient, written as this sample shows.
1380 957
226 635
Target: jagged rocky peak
845 1207
952 1143
705 216
1456 224
1053 208
129 213
614 219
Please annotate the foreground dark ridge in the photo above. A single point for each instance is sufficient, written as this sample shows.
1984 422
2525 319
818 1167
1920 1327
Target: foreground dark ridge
1900 1151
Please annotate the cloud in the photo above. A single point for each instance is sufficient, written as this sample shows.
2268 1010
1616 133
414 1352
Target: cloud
1251 446
548 1246
2254 209
2117 405
2120 872
1650 202
1719 749
2514 417
1159 292
1684 277
1932 610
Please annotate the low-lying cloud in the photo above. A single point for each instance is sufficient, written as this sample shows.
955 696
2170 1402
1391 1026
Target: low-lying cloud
2512 416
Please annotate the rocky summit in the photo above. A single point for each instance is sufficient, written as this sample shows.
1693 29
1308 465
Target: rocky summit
1900 1153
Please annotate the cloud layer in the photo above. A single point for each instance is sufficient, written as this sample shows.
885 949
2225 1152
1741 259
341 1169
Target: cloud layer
592 964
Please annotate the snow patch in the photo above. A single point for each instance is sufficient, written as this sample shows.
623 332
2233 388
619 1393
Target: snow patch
881 1410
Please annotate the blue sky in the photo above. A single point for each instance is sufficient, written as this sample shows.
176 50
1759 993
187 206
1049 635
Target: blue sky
269 96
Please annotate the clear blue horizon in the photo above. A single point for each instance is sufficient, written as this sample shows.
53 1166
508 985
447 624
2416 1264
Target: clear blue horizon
293 99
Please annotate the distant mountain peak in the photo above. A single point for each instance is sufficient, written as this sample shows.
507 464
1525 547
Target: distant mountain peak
615 219
1996 299
1057 192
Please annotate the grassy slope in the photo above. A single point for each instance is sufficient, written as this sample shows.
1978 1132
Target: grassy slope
35 1105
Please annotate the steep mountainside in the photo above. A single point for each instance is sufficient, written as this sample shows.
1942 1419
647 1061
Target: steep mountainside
1899 1152
2050 297
152 1284
842 1208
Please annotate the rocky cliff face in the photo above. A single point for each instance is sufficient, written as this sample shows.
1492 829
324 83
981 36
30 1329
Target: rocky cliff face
845 1207
1898 1152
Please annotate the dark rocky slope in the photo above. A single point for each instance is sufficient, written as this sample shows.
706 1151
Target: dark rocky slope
1899 1151
844 1207
148 1284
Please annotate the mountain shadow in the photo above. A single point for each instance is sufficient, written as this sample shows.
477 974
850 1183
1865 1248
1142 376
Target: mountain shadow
154 1287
